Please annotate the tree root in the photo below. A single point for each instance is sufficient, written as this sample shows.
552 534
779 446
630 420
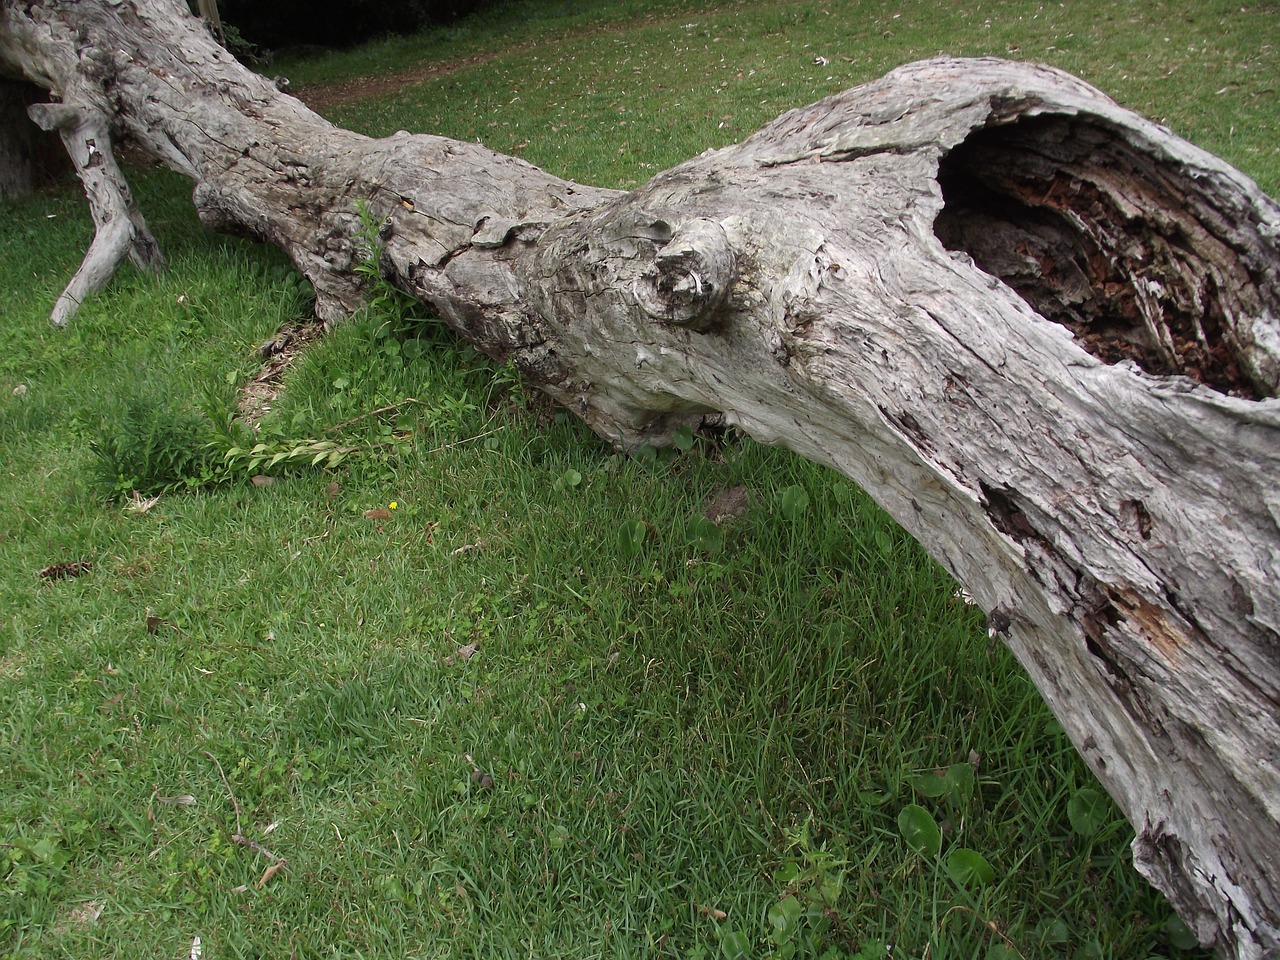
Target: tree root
119 229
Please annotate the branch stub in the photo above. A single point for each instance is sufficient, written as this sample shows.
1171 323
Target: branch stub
691 277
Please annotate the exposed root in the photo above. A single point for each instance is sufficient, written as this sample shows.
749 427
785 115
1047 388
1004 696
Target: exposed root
119 228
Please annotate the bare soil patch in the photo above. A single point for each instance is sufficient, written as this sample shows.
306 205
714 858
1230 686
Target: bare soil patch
324 95
278 354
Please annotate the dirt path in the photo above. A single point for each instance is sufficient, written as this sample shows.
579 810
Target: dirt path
320 96
323 95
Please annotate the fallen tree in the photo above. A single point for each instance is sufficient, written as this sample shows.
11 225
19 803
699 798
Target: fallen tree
1040 330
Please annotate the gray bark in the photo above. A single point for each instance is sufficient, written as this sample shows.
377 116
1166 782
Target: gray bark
1039 329
208 9
119 229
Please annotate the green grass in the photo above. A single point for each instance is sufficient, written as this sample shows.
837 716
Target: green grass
685 746
590 94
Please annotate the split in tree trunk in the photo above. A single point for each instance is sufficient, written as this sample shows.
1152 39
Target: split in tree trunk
1039 329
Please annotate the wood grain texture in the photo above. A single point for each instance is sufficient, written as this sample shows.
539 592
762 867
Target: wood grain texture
1042 331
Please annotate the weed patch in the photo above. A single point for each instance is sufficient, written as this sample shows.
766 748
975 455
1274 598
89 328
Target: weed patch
150 444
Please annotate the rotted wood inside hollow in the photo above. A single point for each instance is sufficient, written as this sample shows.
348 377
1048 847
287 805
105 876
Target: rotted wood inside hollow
1100 238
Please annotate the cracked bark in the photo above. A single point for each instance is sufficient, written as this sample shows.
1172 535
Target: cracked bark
1039 329
119 228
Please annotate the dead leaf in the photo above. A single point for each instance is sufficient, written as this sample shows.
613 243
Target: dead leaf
186 800
714 913
728 504
256 847
88 913
106 706
270 872
140 504
467 652
378 513
481 778
331 488
62 571
261 480
153 623
467 548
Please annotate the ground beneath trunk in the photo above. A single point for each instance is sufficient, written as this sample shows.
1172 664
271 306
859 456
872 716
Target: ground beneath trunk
278 354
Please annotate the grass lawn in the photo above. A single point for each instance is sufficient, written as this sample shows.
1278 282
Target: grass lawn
484 688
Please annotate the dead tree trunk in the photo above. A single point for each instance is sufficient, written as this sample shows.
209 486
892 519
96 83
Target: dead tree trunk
1039 329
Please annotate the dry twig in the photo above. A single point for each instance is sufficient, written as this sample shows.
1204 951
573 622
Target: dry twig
238 836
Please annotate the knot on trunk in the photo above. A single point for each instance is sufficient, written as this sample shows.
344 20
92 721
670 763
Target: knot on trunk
691 277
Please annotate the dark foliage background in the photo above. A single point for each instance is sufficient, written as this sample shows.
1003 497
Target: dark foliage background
284 24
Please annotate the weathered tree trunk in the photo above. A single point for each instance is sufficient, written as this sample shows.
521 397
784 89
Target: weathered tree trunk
1039 329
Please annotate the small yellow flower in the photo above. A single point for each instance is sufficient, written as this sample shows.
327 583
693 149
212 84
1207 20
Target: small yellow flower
392 505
